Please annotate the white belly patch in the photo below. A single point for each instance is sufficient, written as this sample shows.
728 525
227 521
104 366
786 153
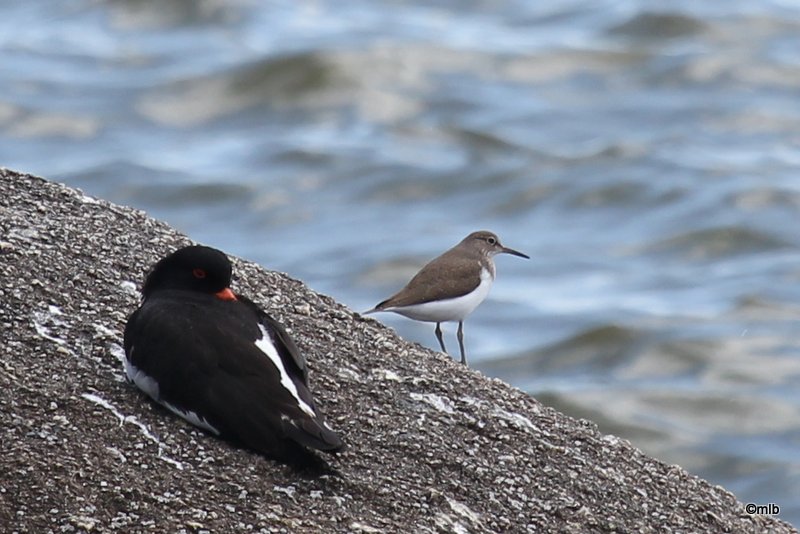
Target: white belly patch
150 386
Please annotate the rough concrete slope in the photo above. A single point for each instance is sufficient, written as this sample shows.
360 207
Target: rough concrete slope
433 446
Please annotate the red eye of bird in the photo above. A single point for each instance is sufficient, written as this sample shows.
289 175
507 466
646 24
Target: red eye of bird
199 273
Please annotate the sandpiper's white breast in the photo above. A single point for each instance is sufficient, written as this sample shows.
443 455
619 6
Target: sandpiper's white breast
456 309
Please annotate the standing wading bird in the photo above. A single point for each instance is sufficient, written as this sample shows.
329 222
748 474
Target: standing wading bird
451 286
217 360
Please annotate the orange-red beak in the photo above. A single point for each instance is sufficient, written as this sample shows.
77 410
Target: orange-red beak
226 294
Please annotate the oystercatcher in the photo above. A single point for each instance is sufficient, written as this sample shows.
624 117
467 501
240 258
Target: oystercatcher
216 359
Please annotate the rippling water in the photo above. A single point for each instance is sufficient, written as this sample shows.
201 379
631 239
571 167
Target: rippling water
644 154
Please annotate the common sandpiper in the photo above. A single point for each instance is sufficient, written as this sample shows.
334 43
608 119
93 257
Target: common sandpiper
450 286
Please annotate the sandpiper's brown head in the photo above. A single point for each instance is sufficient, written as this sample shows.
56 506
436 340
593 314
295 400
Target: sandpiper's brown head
488 244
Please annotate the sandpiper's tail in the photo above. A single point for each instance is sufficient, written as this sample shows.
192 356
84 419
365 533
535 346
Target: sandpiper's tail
381 306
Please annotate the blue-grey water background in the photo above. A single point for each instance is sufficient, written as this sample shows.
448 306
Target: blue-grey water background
645 154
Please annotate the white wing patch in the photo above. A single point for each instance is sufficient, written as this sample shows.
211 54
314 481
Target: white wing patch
266 346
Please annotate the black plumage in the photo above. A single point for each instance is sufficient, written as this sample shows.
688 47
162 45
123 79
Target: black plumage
219 361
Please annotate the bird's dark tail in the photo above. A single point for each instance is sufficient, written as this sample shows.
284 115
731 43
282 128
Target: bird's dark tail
313 433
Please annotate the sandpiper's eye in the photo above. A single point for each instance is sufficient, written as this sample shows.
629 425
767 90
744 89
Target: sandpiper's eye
199 273
491 240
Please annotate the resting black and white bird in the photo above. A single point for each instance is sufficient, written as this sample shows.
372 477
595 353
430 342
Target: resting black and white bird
216 359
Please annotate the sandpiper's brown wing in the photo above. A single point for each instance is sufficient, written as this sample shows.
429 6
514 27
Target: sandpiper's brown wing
440 279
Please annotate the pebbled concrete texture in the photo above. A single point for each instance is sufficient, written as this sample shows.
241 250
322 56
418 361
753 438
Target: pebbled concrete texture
432 446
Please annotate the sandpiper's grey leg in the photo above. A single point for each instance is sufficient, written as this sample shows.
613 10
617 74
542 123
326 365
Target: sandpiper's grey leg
461 341
439 336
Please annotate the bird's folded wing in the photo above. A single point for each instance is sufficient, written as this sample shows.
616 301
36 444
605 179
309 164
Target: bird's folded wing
437 281
283 342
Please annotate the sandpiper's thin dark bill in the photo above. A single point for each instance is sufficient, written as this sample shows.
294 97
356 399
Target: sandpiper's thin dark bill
216 359
507 250
450 286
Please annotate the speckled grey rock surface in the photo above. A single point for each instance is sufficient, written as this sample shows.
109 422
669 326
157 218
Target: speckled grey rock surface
433 446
